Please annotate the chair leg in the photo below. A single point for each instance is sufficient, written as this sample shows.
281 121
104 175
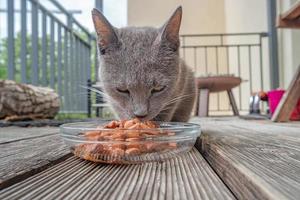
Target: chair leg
233 103
203 102
196 107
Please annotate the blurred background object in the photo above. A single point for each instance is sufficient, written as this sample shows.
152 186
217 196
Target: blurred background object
51 43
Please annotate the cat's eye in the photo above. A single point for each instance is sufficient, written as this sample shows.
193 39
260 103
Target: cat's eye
124 91
157 89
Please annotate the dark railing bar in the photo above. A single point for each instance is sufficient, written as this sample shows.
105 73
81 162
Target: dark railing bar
82 82
217 60
34 40
89 66
261 65
77 64
214 46
23 41
75 74
59 60
71 70
217 66
206 61
10 40
52 49
85 79
227 67
222 40
227 58
66 71
89 84
79 75
261 69
43 9
44 49
239 74
96 64
183 44
250 69
262 34
89 79
195 59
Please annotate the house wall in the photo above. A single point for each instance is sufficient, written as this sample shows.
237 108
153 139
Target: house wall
199 16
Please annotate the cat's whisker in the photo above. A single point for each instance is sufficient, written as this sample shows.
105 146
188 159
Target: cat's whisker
178 98
98 92
166 107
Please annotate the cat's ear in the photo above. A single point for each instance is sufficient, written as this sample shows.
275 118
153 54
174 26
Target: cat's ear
169 33
105 31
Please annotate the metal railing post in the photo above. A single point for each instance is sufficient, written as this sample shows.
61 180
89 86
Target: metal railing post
34 41
89 103
273 44
23 41
10 40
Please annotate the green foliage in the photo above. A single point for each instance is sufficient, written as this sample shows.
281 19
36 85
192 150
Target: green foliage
17 61
17 55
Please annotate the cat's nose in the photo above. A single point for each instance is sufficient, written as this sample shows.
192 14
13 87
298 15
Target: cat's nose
140 116
140 113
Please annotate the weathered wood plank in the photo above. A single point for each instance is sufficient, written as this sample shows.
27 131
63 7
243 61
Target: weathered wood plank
288 23
10 134
20 158
293 13
291 18
256 160
185 177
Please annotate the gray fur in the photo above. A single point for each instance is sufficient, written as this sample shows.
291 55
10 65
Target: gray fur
139 60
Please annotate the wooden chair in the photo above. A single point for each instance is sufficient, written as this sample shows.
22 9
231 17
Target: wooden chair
289 19
207 85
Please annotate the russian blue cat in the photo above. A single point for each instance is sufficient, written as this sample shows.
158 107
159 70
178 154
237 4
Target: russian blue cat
141 71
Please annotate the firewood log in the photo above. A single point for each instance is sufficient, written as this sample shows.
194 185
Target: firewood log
23 101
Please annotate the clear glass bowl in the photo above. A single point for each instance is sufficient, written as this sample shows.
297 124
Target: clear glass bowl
171 139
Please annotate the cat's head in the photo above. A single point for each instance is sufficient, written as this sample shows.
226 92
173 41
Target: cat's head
139 67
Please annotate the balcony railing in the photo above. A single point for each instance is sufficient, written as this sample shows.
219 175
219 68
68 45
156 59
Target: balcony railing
240 54
41 47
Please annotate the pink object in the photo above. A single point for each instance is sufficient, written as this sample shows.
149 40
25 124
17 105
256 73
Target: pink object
274 97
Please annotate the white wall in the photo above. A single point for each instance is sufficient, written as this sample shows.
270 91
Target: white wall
245 16
199 16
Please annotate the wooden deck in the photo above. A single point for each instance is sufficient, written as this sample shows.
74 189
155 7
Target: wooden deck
243 159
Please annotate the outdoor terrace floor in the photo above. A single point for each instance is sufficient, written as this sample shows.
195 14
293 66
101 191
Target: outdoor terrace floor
233 158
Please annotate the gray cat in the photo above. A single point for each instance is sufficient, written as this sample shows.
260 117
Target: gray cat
141 72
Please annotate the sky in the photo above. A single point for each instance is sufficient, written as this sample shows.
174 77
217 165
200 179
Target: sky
114 10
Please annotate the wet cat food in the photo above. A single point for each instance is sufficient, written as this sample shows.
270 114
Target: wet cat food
122 141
